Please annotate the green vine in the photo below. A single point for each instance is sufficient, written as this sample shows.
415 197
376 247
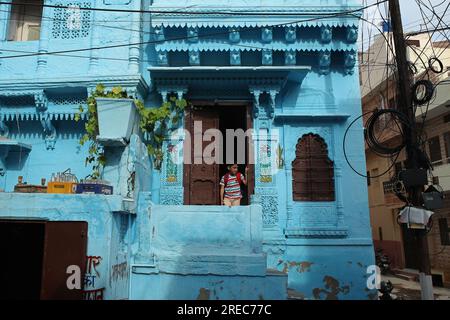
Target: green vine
156 122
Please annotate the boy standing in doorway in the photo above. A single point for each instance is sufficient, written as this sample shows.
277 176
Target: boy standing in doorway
230 186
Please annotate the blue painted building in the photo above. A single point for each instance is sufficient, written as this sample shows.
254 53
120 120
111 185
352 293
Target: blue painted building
286 69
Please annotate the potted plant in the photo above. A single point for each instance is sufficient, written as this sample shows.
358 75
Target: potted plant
112 116
117 118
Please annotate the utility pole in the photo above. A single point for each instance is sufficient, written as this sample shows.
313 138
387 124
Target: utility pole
404 98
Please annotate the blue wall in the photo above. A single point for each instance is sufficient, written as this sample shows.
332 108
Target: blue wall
303 82
108 236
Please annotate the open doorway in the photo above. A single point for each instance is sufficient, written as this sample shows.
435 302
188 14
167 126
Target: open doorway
201 181
234 118
36 255
23 251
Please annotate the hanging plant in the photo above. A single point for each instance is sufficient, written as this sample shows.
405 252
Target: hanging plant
155 122
158 123
96 154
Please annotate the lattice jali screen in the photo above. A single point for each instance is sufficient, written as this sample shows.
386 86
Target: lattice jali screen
71 22
76 101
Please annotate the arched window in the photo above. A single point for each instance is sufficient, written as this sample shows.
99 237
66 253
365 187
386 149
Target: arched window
312 171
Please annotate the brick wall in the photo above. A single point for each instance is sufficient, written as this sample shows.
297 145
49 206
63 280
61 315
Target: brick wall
439 254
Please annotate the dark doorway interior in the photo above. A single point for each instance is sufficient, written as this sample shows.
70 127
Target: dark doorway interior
234 118
22 247
201 182
35 257
410 248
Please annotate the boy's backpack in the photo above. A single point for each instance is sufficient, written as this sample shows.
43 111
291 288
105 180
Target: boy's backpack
226 178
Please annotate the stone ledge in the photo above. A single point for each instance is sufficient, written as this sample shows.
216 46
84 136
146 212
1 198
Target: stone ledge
247 265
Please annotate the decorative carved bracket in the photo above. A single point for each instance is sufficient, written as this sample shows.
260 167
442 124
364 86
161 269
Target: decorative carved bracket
290 34
194 58
350 62
2 166
268 111
4 130
235 58
158 34
290 58
266 34
192 34
234 35
272 103
41 101
49 130
324 62
256 101
167 92
162 58
326 34
267 57
352 34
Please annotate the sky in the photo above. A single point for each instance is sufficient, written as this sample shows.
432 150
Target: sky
410 12
412 18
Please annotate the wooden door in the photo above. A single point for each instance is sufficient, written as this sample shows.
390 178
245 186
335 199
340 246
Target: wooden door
250 154
201 180
65 244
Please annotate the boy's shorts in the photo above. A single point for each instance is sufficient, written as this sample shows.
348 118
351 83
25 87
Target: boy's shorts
231 202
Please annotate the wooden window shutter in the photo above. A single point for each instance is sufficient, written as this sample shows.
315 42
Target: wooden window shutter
313 171
447 144
444 231
434 145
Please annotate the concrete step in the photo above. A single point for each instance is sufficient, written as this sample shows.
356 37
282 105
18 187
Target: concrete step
295 295
408 275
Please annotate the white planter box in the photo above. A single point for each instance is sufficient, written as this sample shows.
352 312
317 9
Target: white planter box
117 120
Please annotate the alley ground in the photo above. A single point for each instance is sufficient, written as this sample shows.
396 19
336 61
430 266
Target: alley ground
410 290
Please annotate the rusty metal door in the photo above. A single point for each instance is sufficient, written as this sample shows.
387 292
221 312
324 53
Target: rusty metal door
65 244
201 179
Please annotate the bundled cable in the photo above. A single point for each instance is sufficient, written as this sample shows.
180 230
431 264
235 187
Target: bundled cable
424 97
397 119
431 64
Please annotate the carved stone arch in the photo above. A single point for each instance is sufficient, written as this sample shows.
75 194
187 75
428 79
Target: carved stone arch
312 171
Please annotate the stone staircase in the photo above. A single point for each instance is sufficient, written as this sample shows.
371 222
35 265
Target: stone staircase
204 252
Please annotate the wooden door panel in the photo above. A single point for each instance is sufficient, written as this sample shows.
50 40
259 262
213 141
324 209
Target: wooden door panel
65 244
203 179
202 171
250 156
204 192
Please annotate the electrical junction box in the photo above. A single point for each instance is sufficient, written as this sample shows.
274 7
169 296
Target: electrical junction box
414 177
415 218
433 199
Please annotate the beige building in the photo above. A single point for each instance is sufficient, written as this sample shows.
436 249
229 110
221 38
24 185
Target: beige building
379 92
